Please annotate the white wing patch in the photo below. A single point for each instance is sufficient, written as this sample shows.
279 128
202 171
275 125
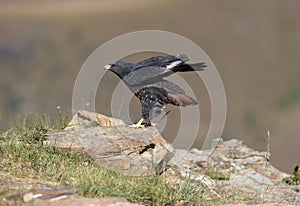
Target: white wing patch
173 64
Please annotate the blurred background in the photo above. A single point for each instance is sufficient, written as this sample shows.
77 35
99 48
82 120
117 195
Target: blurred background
255 46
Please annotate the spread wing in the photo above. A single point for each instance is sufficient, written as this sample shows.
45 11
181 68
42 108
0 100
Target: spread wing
156 68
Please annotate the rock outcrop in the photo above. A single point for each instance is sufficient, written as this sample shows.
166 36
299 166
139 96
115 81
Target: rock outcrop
230 171
111 144
234 171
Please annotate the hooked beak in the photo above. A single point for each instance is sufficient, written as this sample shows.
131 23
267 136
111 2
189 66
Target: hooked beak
107 67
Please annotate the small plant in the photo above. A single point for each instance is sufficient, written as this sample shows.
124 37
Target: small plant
295 178
213 174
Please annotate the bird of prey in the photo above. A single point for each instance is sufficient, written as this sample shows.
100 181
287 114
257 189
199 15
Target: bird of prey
146 80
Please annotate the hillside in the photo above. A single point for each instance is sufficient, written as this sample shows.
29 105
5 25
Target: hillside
254 45
95 159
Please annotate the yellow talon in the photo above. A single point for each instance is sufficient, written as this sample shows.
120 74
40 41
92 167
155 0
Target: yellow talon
138 125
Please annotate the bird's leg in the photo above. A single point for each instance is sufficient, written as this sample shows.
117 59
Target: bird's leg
138 125
148 123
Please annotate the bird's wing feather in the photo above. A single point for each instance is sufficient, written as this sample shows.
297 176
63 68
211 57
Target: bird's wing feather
162 61
146 75
181 100
176 94
170 87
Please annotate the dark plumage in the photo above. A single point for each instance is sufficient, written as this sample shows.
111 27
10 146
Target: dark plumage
145 80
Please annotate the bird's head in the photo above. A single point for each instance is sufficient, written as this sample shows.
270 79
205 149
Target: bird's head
120 68
111 65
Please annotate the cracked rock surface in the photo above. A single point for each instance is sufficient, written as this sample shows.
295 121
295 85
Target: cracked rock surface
231 170
129 151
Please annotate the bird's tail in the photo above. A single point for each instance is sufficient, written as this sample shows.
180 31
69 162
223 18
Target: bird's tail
181 100
199 66
190 67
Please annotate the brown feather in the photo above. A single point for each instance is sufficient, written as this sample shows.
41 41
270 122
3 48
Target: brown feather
181 100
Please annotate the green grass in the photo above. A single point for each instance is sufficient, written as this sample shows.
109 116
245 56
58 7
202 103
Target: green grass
213 174
25 158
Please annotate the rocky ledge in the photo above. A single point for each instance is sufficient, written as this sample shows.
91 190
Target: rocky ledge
229 170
